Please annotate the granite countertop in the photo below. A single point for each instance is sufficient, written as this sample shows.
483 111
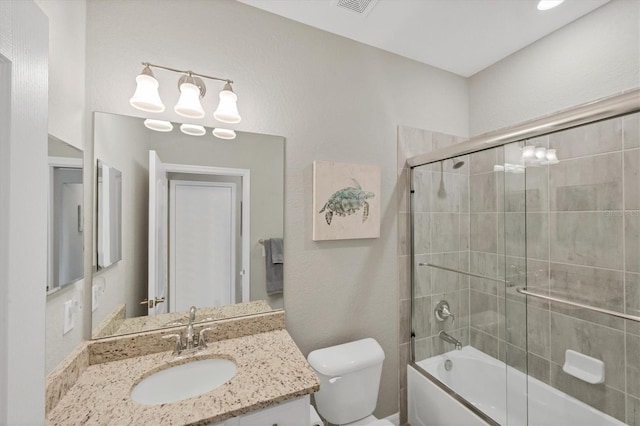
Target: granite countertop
270 370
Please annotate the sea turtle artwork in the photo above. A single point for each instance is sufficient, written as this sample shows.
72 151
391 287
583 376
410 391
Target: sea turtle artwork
347 201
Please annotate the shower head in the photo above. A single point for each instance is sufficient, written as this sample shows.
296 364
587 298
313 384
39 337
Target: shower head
457 163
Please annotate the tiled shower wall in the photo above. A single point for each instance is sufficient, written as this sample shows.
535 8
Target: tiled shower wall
583 244
581 219
441 220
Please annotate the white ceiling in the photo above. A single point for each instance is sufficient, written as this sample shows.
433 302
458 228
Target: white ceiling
461 36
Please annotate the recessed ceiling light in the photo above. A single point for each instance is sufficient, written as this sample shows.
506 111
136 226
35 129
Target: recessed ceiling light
548 4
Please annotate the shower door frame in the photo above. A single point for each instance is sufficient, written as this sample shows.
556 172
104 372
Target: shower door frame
610 107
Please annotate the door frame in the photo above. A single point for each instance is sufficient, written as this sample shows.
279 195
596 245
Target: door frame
245 174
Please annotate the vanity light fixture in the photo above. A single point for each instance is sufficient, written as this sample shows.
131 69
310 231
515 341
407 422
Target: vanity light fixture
192 89
224 133
158 125
227 111
146 96
548 4
192 129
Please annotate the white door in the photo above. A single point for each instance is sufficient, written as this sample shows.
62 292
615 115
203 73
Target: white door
158 236
202 237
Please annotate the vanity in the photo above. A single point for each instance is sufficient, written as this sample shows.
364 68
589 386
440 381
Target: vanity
146 364
271 383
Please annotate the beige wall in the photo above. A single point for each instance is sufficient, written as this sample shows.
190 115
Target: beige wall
331 98
593 57
23 207
67 122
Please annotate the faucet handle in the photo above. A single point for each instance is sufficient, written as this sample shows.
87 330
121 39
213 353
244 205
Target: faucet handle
202 344
178 347
442 311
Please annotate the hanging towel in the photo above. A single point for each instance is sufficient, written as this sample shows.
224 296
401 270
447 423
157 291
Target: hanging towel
277 250
274 265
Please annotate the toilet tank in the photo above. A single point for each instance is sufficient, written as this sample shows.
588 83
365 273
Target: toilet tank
349 379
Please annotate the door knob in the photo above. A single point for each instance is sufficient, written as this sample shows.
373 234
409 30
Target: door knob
153 302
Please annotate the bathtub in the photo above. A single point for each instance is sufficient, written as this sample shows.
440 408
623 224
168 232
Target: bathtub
484 382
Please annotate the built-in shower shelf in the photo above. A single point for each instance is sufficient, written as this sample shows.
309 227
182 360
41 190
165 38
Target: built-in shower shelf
584 367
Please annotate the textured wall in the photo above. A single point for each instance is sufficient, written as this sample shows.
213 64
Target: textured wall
23 207
67 121
593 57
331 98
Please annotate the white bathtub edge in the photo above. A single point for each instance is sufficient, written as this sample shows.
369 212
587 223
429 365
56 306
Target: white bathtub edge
428 405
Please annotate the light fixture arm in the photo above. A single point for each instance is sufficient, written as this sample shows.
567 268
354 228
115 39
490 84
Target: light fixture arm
186 72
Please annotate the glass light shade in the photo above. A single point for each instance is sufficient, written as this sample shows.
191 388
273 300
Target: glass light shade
227 111
224 133
548 4
192 129
146 96
541 153
158 125
189 103
529 153
551 157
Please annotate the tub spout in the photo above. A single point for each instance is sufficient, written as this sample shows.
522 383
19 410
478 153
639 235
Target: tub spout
450 339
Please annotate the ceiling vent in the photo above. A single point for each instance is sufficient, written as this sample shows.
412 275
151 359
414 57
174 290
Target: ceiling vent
361 7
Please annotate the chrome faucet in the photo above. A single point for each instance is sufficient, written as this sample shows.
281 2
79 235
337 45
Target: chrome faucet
450 339
189 337
189 344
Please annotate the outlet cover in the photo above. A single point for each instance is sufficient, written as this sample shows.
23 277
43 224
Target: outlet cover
68 316
95 297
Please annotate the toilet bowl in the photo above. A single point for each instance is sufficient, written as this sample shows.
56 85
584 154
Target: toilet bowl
349 381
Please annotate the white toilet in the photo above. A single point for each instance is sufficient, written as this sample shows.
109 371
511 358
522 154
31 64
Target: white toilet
349 380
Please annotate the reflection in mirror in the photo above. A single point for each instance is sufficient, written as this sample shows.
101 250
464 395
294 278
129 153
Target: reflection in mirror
66 227
109 215
195 211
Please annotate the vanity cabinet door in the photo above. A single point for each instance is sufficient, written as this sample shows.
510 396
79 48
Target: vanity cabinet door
292 413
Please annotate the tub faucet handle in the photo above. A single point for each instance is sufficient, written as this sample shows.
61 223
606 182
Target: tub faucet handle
442 312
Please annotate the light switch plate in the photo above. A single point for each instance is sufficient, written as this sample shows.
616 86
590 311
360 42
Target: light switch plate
95 297
68 316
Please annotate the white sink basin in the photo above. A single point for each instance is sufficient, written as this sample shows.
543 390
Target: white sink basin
183 381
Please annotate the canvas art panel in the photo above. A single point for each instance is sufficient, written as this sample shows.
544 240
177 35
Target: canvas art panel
346 201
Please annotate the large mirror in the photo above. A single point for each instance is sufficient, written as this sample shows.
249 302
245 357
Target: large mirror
109 214
66 225
201 224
